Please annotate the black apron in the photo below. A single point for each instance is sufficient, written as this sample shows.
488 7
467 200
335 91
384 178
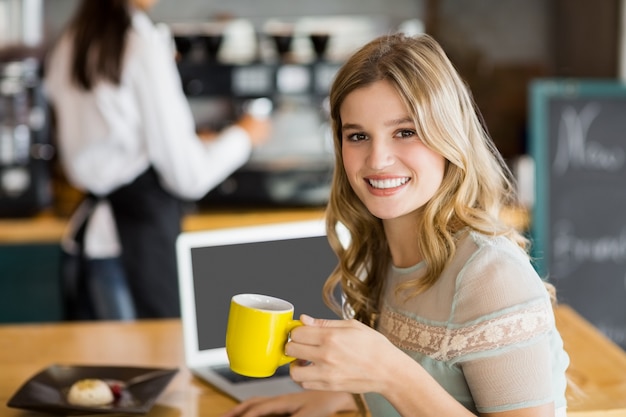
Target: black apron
148 220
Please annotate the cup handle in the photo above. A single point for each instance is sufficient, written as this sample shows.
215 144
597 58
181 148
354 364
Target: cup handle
290 326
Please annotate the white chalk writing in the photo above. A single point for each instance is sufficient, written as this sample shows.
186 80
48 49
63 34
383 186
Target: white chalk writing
575 150
570 250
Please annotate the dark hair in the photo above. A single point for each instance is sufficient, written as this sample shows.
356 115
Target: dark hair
99 28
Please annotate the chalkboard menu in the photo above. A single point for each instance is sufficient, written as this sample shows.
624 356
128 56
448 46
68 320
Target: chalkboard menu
578 143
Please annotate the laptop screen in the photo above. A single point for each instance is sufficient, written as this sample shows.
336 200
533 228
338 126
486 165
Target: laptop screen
294 269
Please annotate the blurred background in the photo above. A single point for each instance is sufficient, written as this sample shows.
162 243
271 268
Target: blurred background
497 45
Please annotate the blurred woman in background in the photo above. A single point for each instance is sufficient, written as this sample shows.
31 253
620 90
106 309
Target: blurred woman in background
127 137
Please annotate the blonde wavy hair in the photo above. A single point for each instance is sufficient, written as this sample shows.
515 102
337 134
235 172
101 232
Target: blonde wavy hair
475 187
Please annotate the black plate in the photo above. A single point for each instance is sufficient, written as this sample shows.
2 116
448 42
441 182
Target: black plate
47 390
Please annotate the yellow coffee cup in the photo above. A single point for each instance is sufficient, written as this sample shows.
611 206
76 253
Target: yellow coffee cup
257 330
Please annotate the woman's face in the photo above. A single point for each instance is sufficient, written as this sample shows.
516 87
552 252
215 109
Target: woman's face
389 168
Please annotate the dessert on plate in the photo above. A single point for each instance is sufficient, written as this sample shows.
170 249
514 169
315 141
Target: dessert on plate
90 392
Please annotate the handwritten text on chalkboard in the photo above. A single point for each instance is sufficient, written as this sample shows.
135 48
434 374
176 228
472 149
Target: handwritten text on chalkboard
576 150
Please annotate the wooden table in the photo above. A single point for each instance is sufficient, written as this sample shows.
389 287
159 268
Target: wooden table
27 349
598 369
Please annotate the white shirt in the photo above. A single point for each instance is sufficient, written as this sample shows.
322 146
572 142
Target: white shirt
111 134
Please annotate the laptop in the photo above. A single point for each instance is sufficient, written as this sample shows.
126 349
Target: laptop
290 260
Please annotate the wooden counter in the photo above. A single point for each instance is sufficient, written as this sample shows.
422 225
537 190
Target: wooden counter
48 228
597 370
217 219
44 228
30 289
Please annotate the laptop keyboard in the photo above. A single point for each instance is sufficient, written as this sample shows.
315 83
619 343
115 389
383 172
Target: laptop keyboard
236 378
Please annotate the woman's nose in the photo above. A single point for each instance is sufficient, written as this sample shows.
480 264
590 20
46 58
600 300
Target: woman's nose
380 155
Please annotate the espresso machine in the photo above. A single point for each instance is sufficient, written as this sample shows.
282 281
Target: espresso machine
25 151
294 167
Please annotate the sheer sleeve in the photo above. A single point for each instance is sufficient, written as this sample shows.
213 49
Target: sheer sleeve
503 334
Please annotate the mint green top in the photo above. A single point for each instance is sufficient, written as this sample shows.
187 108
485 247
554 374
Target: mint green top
485 331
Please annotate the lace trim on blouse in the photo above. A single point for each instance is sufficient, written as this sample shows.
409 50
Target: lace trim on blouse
444 344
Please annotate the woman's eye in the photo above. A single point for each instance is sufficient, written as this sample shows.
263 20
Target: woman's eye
356 137
406 133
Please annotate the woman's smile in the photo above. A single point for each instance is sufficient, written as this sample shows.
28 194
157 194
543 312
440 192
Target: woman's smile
385 186
386 183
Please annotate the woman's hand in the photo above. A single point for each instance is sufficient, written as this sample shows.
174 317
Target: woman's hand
340 355
300 404
258 128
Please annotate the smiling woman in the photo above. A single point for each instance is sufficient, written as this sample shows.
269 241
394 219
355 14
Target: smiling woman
443 312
